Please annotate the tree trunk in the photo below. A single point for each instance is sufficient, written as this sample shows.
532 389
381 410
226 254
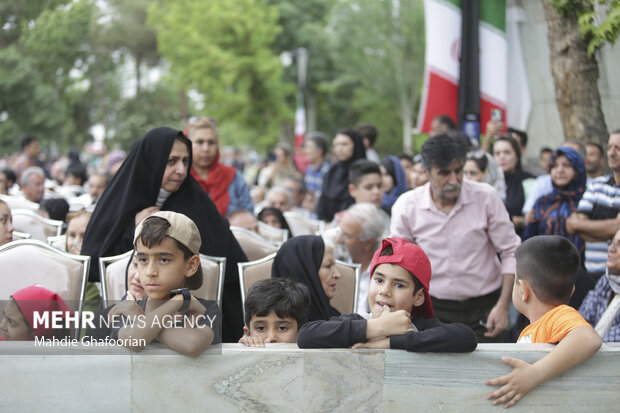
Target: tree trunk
138 74
575 76
183 112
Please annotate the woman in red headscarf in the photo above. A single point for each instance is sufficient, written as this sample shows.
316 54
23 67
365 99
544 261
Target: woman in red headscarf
224 184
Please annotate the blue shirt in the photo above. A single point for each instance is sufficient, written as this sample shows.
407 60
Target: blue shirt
313 178
239 195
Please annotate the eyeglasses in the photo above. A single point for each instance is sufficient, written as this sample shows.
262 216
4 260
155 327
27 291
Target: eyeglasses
615 243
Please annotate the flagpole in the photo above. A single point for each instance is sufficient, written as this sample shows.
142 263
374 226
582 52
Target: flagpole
469 77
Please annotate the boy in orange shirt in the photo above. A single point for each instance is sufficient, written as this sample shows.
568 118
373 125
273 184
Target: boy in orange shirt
545 279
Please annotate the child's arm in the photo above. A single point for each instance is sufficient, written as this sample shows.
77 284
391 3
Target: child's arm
435 336
337 332
188 340
575 348
349 329
150 325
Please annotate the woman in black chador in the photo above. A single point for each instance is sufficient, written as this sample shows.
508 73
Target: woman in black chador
155 176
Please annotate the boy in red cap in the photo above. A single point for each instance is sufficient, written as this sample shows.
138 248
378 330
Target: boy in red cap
401 310
18 319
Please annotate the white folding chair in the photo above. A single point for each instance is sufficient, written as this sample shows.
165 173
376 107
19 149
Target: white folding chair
347 287
254 246
252 271
27 262
59 242
112 271
25 220
15 202
213 272
272 233
301 225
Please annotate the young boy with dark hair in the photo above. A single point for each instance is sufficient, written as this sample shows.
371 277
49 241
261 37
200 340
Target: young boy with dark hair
365 182
547 267
401 310
166 246
275 310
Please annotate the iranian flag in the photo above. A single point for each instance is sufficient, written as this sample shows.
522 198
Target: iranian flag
300 131
442 62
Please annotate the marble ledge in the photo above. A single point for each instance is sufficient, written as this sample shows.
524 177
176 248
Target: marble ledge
283 378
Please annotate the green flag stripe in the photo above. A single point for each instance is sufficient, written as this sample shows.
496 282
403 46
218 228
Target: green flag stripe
455 3
493 12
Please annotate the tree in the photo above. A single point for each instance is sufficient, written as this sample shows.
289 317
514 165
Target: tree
303 25
380 45
40 94
223 50
575 72
129 32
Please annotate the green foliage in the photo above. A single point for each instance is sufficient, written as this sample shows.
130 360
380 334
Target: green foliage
14 16
380 44
145 111
31 105
599 20
223 50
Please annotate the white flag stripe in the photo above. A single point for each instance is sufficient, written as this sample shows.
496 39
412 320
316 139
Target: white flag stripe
443 34
493 65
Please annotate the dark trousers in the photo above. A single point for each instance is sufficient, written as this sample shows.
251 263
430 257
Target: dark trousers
472 312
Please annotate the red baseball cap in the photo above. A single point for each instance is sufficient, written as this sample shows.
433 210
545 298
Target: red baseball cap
410 257
40 299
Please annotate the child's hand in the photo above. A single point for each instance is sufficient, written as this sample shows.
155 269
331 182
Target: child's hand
129 296
381 343
254 341
396 323
126 308
515 385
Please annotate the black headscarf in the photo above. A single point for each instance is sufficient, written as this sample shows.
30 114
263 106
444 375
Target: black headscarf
300 259
515 195
136 186
279 215
335 195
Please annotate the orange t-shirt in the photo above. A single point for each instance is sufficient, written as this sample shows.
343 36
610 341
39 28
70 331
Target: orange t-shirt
553 326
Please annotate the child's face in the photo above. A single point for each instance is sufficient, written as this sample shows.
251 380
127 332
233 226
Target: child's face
133 280
163 268
75 233
516 296
392 285
272 327
368 189
13 325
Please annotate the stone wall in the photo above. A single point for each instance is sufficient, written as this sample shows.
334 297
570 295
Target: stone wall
282 378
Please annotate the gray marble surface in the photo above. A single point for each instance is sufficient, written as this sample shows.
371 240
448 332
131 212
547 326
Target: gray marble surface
282 378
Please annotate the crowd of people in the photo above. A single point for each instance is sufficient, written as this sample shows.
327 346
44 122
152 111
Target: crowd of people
459 244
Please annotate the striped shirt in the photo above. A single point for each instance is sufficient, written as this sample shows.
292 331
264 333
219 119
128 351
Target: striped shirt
313 178
600 201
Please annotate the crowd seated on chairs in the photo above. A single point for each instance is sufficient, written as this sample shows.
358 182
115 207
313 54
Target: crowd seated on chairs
87 258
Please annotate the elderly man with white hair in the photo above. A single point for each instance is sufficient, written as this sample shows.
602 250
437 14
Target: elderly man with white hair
361 230
33 184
